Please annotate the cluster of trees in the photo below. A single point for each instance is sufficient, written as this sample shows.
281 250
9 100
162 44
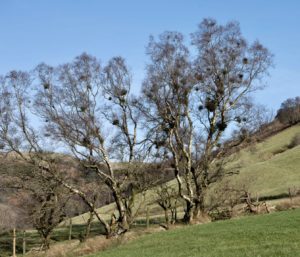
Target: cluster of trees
187 102
289 112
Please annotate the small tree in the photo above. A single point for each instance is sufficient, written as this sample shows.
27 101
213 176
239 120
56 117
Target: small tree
77 99
168 200
48 209
28 144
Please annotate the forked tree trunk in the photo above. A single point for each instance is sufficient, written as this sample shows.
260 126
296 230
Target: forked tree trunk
46 242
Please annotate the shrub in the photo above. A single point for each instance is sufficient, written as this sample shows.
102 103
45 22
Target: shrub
289 112
295 141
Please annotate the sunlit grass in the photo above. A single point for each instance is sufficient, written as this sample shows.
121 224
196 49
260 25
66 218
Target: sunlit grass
270 235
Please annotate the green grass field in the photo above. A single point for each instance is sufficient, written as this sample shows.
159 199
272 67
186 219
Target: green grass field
270 235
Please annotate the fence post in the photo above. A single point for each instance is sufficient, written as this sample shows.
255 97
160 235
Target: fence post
147 218
14 243
24 242
70 229
291 195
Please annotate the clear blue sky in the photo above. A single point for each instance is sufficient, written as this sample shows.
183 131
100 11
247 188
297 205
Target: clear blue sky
55 31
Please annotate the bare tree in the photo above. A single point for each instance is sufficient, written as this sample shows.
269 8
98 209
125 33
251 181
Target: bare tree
18 136
168 200
41 199
47 208
190 101
77 99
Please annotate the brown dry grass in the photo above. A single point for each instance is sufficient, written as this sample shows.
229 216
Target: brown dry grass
288 203
100 243
91 245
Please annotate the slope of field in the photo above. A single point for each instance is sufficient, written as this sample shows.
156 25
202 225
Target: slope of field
275 235
268 168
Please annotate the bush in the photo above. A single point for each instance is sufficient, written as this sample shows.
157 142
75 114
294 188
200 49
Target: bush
295 141
223 214
289 112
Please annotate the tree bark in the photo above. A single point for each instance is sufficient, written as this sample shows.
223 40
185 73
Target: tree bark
14 242
167 218
188 217
122 219
199 208
88 225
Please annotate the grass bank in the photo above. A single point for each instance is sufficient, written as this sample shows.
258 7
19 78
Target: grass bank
271 235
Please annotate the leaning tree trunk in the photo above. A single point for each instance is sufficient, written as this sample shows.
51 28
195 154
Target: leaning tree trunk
122 220
88 225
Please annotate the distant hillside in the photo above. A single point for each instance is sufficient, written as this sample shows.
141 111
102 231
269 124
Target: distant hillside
269 167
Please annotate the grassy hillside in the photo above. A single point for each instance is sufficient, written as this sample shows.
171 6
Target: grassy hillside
275 235
267 168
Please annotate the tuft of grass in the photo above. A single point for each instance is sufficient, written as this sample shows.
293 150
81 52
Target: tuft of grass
275 235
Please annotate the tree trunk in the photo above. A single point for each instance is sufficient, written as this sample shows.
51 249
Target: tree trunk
122 219
199 208
46 242
88 225
196 211
14 242
188 217
174 213
167 218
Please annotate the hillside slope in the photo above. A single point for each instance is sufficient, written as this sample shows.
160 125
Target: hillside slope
267 168
270 167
